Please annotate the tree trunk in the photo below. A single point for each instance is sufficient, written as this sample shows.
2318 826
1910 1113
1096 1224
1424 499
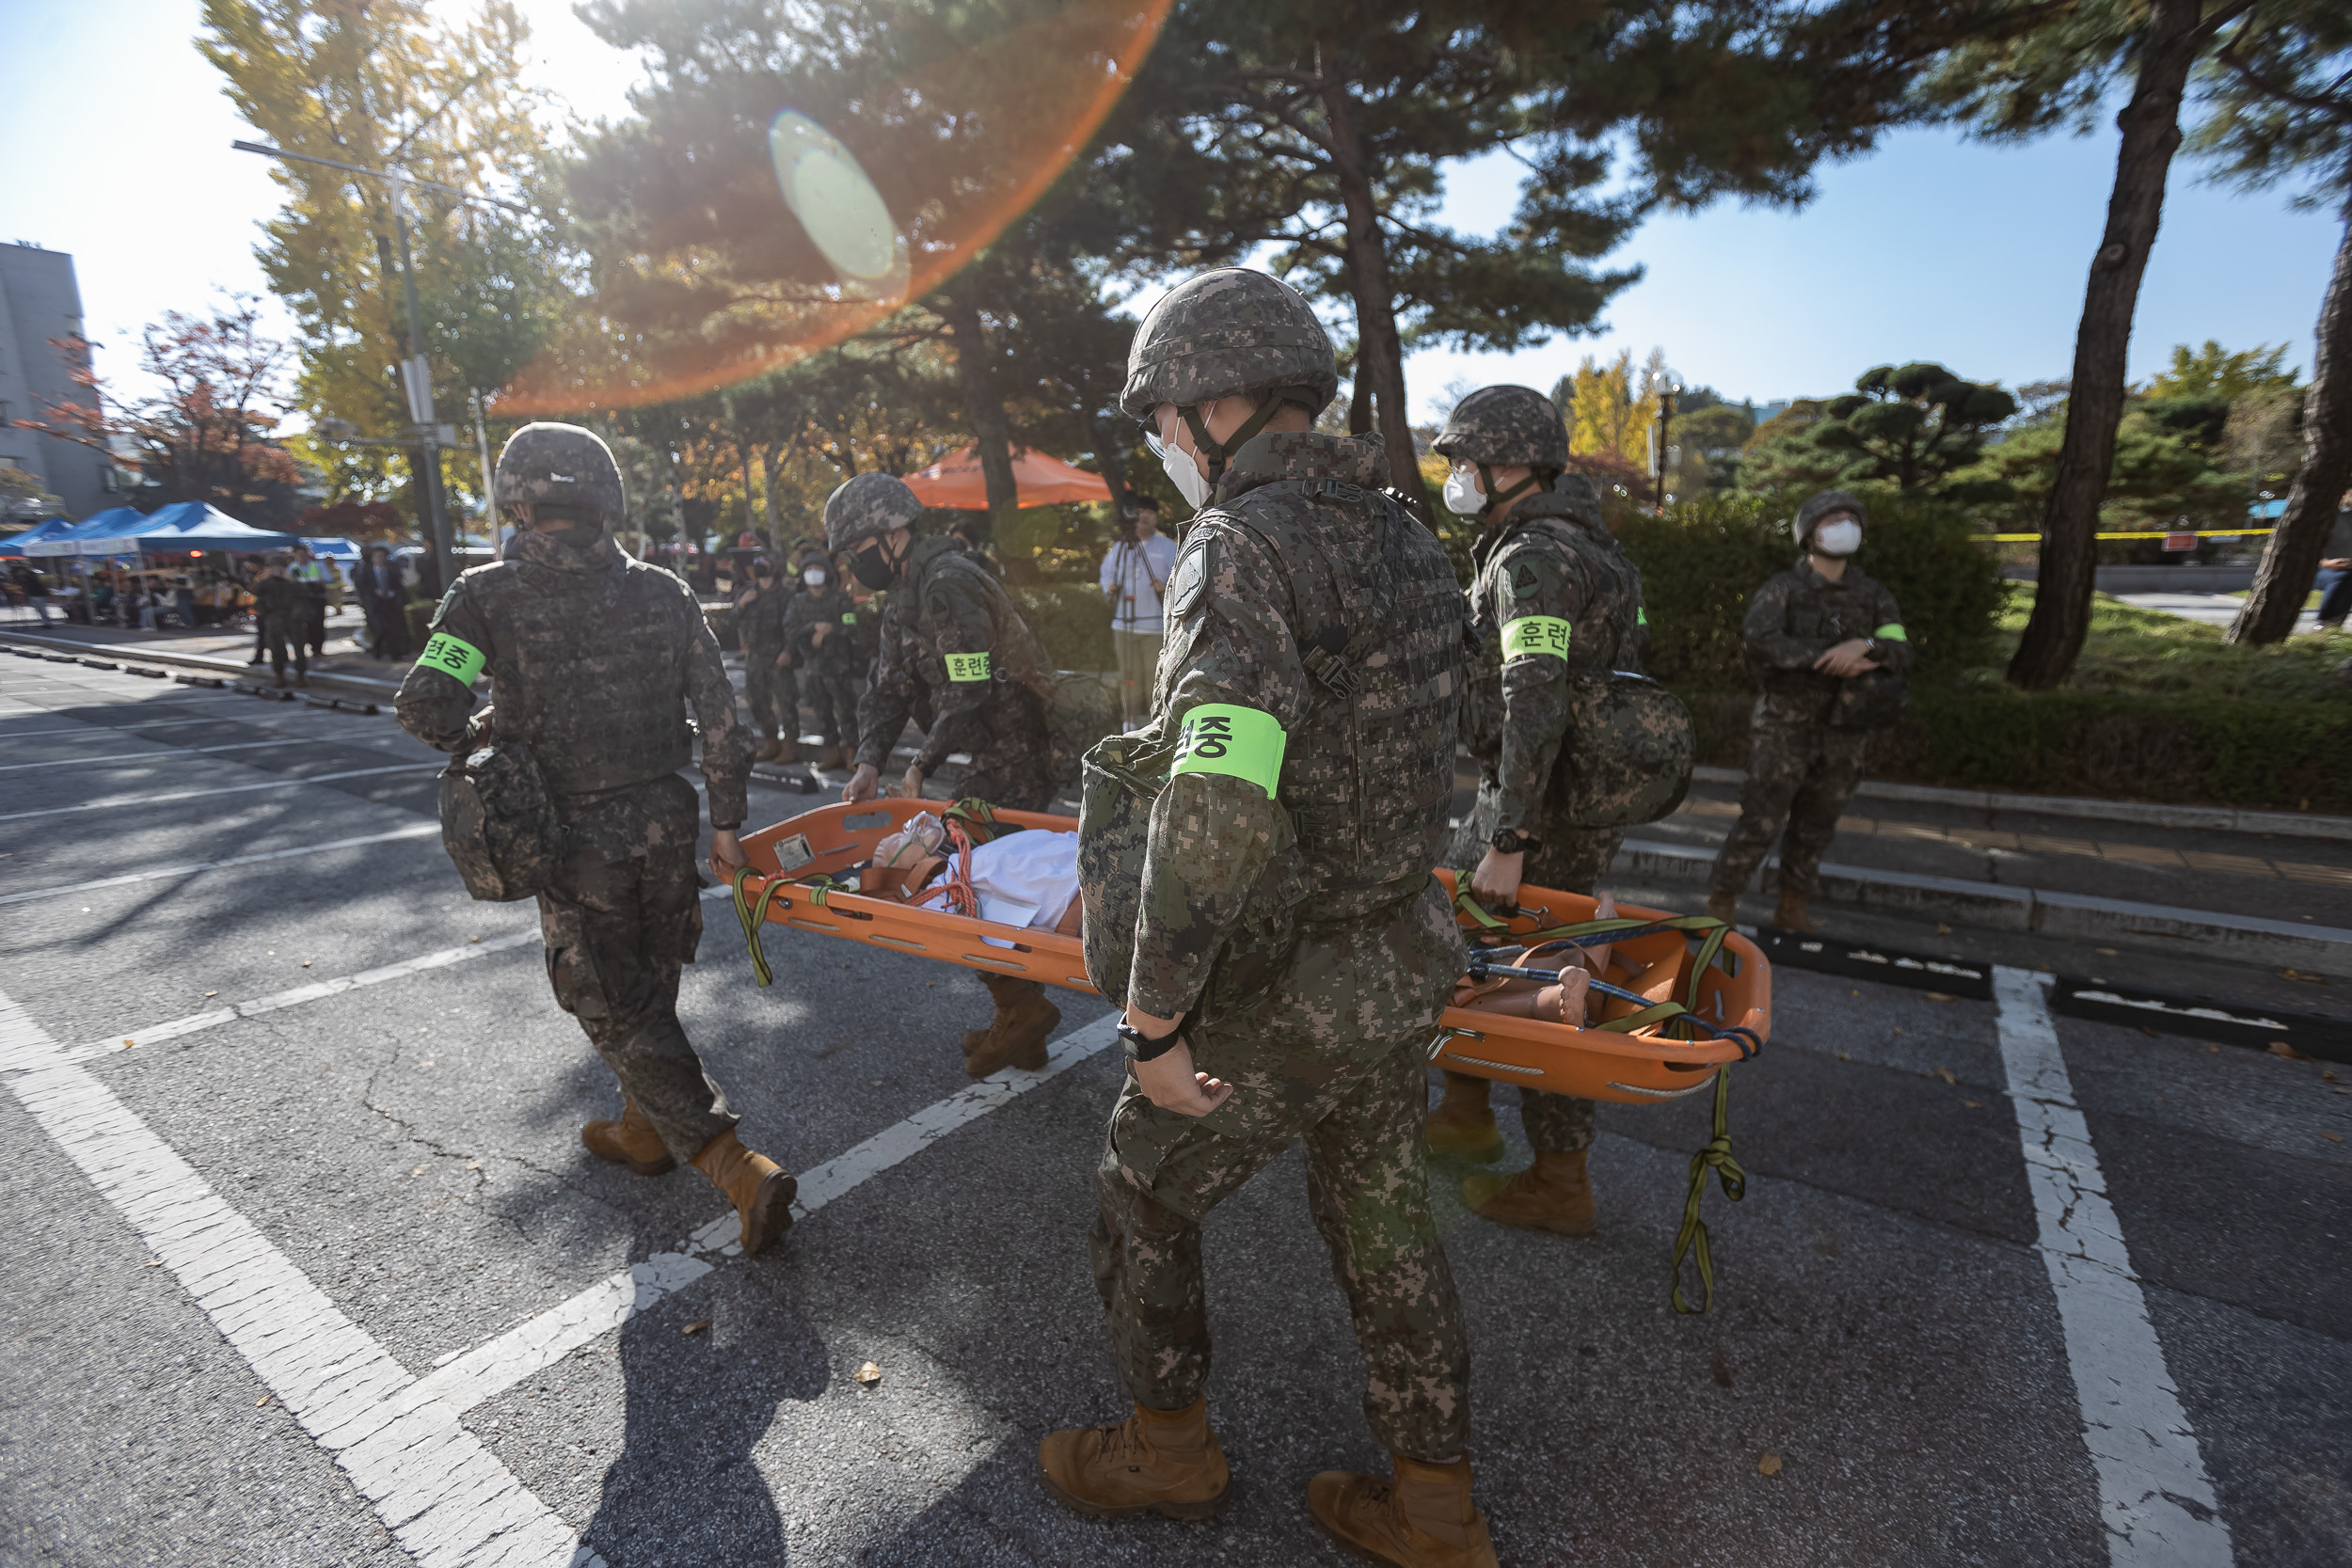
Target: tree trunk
2292 557
982 407
1110 456
2069 521
767 493
1379 350
1359 403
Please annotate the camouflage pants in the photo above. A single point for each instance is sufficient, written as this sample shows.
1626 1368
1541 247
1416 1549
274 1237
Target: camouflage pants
623 917
277 633
1802 775
832 691
1567 860
1303 1064
774 694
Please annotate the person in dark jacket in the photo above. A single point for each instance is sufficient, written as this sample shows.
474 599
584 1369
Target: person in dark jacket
594 660
769 684
1810 630
820 649
280 607
384 601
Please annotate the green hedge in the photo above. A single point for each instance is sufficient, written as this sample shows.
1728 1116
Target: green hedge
2142 745
1073 620
1703 559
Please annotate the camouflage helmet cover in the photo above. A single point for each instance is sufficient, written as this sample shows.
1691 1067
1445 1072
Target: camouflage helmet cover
1823 503
561 464
1505 426
1230 330
866 505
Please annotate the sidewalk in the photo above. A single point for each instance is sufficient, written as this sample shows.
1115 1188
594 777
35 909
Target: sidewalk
217 652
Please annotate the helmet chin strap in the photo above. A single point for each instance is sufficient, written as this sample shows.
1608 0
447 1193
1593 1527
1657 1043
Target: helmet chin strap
1216 453
1487 484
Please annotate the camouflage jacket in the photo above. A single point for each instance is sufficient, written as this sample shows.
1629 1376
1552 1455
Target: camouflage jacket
1553 596
1799 615
277 599
1308 693
952 635
759 619
804 610
592 659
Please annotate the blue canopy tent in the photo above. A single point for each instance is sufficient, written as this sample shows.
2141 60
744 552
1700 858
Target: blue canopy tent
340 549
193 527
12 548
110 524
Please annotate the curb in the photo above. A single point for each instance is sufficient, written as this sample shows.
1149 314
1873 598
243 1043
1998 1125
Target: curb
2154 928
2290 824
225 668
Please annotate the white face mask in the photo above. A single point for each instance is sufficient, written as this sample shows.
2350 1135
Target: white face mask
1462 494
1185 475
1842 537
813 577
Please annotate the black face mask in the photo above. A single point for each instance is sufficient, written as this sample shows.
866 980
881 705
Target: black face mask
578 535
873 569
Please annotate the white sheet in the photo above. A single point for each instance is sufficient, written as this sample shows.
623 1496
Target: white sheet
1032 871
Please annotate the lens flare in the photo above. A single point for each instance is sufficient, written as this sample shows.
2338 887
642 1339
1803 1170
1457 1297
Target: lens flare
751 246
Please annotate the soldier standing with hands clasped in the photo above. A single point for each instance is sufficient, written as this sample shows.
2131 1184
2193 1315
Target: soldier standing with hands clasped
1553 596
1294 951
593 659
1815 632
956 656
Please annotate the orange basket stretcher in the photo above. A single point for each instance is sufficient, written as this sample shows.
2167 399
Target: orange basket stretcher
791 884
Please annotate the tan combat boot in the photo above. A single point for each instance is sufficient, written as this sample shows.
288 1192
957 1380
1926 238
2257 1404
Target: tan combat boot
1156 1462
1790 915
834 757
787 748
630 1141
1461 1125
761 1190
1016 1036
1423 1518
1553 1194
1723 907
770 749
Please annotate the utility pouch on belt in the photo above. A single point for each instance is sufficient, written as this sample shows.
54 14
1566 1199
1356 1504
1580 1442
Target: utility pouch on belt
1872 700
498 822
1628 756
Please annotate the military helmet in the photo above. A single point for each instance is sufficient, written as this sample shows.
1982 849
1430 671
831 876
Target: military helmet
1505 427
866 505
561 464
1823 503
1225 331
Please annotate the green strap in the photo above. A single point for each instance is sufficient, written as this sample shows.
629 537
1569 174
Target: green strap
1691 1238
754 915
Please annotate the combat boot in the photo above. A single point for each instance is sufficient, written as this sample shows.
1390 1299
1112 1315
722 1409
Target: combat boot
770 749
630 1141
1462 1124
761 1190
1423 1518
1723 907
1554 1194
787 748
834 757
1163 1461
1790 915
1016 1036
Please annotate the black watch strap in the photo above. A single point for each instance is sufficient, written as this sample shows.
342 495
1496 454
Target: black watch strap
1140 1048
1510 841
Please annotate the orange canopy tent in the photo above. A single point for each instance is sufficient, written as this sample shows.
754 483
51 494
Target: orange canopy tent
955 481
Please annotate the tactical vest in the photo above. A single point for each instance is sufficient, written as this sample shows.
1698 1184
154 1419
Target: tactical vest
1374 609
1611 624
588 667
1014 649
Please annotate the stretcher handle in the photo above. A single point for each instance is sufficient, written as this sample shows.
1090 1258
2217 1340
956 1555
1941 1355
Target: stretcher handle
1651 1011
1691 1238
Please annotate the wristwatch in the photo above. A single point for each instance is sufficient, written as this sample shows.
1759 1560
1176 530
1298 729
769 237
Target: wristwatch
1510 841
1142 1048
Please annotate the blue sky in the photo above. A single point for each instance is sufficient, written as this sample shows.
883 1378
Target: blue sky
114 144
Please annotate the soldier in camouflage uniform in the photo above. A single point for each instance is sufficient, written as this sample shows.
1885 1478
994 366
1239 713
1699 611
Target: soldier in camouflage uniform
1809 629
278 607
956 657
820 649
770 686
1553 598
592 659
1292 941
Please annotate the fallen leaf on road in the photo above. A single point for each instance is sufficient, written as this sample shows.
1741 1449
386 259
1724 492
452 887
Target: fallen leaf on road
2145 1030
696 1326
2331 1137
473 1165
154 1263
2105 952
1767 1465
130 1042
2211 1050
869 1375
212 993
1972 1104
1942 929
473 939
306 963
1945 1073
419 1172
2327 1075
1843 1057
2299 974
1941 996
2278 1048
263 1401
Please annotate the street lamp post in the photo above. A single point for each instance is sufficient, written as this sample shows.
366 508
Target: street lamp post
1665 422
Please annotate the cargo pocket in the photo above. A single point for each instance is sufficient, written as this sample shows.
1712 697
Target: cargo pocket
573 972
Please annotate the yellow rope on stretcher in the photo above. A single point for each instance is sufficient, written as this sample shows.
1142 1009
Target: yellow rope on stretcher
754 916
1691 1238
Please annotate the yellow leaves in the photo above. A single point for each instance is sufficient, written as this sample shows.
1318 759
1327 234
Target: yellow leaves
1767 1465
867 1374
696 1326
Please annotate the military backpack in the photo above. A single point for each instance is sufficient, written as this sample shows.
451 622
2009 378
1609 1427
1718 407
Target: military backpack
498 822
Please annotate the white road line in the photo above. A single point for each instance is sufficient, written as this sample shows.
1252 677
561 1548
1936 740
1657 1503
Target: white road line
162 753
415 829
538 1343
444 1497
2155 1497
94 728
117 801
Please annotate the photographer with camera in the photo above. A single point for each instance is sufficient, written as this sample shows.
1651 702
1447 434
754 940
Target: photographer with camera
1134 573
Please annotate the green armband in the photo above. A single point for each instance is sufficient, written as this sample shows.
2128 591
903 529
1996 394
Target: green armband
1641 616
967 667
1245 743
453 657
1891 632
849 617
1535 634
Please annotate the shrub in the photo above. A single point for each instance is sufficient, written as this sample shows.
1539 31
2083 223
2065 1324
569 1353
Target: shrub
1073 620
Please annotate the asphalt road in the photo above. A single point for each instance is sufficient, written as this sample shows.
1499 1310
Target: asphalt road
330 1280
